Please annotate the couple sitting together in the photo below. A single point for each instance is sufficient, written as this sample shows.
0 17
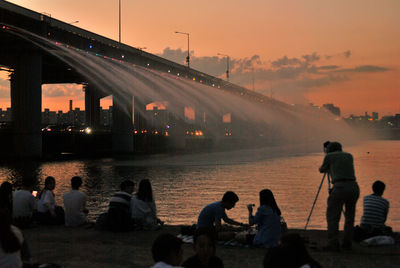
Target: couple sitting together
129 211
267 219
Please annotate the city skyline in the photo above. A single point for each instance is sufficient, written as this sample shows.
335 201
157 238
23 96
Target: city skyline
309 51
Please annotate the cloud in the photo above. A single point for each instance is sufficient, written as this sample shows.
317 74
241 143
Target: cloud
347 54
364 69
62 90
285 61
328 67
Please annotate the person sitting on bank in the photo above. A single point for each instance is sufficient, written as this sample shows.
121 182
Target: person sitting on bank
144 211
48 211
119 211
376 209
212 214
204 246
75 204
167 251
24 205
267 219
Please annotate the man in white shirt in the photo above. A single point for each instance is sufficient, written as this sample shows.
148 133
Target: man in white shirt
24 205
75 204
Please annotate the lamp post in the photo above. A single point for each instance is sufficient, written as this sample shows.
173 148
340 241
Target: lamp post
119 19
188 55
227 65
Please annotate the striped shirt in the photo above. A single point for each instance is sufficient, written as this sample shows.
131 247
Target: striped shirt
376 209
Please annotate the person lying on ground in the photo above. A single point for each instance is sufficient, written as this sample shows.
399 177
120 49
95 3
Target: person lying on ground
143 207
48 211
204 246
167 251
75 204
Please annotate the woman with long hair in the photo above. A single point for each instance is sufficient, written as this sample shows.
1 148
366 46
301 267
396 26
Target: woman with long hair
267 219
48 211
144 211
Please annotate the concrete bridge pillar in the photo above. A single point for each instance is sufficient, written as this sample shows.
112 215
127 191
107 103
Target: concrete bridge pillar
122 126
92 106
178 129
140 117
26 105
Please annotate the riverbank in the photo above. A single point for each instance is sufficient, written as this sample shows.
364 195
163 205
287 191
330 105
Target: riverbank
81 247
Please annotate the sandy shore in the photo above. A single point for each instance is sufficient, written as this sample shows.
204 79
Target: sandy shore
90 248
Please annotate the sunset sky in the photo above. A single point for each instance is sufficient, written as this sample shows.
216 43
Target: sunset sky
345 52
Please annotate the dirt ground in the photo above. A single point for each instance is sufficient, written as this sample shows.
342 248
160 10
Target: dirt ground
81 247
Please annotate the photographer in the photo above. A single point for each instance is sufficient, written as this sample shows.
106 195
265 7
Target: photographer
339 166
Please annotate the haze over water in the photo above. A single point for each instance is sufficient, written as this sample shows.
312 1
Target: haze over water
184 184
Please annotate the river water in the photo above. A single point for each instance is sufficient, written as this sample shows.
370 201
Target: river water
184 184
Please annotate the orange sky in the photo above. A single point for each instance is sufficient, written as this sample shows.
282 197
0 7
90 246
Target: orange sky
356 45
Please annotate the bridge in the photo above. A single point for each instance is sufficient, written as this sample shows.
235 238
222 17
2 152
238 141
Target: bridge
31 66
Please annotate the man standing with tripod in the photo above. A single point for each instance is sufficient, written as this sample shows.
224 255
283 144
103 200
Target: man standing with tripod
340 168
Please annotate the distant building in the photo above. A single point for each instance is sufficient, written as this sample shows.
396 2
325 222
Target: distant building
333 109
375 116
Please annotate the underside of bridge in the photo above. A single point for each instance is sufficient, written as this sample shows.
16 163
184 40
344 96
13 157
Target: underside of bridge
33 64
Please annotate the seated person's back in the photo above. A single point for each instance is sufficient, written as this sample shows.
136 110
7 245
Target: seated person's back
119 211
75 204
24 203
376 208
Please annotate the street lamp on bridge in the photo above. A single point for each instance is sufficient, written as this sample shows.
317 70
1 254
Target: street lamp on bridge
188 55
119 20
227 65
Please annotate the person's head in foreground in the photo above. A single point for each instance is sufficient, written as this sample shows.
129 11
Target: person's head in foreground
229 200
204 244
167 248
378 188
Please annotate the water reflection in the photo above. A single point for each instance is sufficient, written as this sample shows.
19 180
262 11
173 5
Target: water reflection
183 185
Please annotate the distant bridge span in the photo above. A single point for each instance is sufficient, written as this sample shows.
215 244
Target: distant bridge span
31 67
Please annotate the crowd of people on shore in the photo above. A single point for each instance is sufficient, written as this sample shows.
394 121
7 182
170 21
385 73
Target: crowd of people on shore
128 212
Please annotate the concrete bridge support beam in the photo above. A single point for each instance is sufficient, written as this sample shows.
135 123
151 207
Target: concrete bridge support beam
141 120
92 106
122 126
26 105
178 129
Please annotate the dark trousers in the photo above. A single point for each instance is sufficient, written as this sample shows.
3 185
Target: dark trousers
343 194
47 219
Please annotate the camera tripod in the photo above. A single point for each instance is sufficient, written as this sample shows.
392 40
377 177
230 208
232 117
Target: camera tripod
316 197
